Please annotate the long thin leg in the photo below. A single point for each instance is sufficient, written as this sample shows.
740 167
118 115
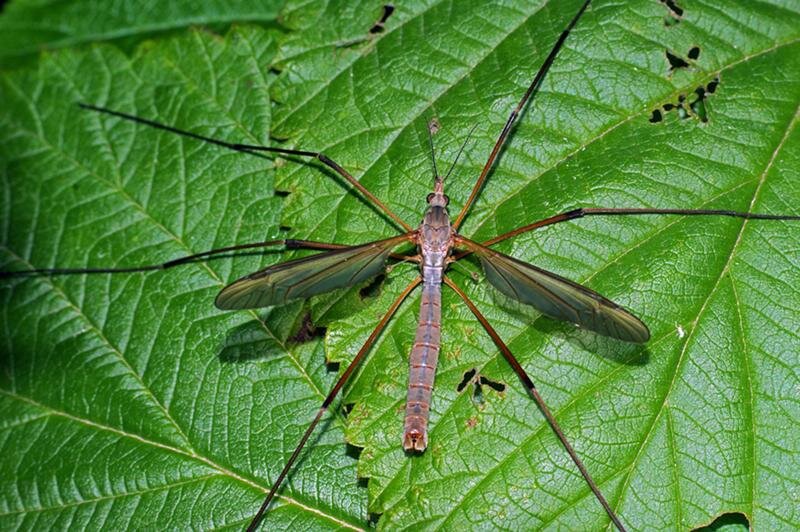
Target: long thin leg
534 86
254 149
288 243
581 213
329 399
523 375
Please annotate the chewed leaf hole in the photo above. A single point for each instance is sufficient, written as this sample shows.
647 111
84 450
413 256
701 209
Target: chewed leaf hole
494 385
656 116
372 520
673 7
675 61
698 106
479 381
694 106
725 521
379 25
353 451
466 380
377 28
674 12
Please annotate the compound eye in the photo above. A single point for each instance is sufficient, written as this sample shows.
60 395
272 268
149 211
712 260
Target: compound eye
446 201
430 197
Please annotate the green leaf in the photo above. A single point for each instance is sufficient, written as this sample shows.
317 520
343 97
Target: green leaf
27 26
130 401
127 399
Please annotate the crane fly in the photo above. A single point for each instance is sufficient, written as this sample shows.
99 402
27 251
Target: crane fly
439 245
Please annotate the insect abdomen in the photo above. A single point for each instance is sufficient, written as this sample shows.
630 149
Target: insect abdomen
423 360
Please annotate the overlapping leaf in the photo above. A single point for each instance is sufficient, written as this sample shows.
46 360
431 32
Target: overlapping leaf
130 401
29 26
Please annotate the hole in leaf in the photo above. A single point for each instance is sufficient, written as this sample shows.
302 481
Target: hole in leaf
673 7
656 116
477 392
479 381
466 380
378 27
680 108
693 106
675 62
281 193
494 385
725 522
698 105
353 452
674 12
372 520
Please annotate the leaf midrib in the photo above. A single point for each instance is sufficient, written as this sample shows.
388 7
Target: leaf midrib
690 333
725 269
593 387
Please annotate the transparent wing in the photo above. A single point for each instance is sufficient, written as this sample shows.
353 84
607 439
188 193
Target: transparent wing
558 297
302 278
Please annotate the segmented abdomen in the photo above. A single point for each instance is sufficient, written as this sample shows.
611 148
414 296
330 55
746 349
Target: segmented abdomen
424 356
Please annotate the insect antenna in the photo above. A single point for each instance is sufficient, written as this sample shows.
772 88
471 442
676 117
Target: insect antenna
432 128
460 151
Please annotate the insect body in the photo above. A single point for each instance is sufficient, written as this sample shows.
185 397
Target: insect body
435 241
439 243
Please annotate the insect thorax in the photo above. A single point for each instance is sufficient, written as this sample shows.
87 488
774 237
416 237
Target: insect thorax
435 241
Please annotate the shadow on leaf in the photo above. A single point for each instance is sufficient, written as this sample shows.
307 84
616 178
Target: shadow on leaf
609 348
249 341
